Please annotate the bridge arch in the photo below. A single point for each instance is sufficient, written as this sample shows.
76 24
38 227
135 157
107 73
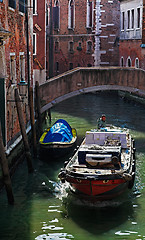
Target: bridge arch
85 80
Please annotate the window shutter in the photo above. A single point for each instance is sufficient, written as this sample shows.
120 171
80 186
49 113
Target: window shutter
56 17
12 4
90 14
22 6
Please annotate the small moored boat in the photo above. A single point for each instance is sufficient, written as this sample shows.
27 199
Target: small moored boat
104 165
58 140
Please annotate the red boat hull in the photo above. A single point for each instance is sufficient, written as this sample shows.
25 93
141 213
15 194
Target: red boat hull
101 189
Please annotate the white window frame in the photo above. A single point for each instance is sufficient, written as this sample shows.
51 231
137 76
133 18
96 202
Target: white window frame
88 16
138 27
89 51
129 58
122 21
71 50
137 65
22 65
59 11
69 15
13 67
128 19
122 58
35 9
132 19
35 47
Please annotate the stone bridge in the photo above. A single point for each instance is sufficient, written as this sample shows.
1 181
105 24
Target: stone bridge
84 80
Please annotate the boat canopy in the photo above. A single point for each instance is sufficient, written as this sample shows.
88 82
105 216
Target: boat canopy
59 132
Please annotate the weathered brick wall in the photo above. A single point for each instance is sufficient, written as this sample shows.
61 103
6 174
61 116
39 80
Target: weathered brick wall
39 27
109 33
132 49
143 23
110 21
14 21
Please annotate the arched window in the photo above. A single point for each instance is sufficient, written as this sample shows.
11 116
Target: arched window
137 63
89 13
56 15
71 46
122 62
129 63
56 46
71 14
89 47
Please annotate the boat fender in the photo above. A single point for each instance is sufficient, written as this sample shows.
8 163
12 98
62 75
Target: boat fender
127 177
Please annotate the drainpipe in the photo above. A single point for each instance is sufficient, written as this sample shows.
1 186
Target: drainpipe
97 54
27 37
51 43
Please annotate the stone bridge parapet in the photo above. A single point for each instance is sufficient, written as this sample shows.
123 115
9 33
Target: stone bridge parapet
84 80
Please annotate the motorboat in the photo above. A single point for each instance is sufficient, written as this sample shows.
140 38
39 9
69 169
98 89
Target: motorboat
103 167
58 140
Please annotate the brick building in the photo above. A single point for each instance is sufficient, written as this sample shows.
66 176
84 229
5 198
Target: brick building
39 40
82 33
13 63
132 37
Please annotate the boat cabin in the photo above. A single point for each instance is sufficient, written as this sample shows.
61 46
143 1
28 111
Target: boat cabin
102 149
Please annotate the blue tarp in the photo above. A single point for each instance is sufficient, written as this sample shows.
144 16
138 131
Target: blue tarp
59 132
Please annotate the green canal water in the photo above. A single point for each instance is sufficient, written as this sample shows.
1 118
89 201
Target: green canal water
44 210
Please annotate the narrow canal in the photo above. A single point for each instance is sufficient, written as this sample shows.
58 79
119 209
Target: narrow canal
42 208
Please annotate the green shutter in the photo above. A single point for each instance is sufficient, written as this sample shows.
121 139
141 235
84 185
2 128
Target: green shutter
2 107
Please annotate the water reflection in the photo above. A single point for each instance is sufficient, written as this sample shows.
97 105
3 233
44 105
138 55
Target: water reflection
101 217
43 209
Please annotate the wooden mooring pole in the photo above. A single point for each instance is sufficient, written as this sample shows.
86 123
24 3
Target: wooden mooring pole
5 170
32 119
23 131
37 96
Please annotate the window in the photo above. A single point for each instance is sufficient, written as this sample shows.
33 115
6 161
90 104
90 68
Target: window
56 46
89 47
71 47
1 0
89 65
22 6
137 63
129 64
22 67
89 14
57 67
128 19
34 43
71 14
34 7
12 4
122 62
123 20
79 47
132 18
47 15
138 17
12 67
56 15
70 66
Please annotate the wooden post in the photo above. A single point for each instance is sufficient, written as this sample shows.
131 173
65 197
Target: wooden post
37 97
5 170
23 131
32 119
49 114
